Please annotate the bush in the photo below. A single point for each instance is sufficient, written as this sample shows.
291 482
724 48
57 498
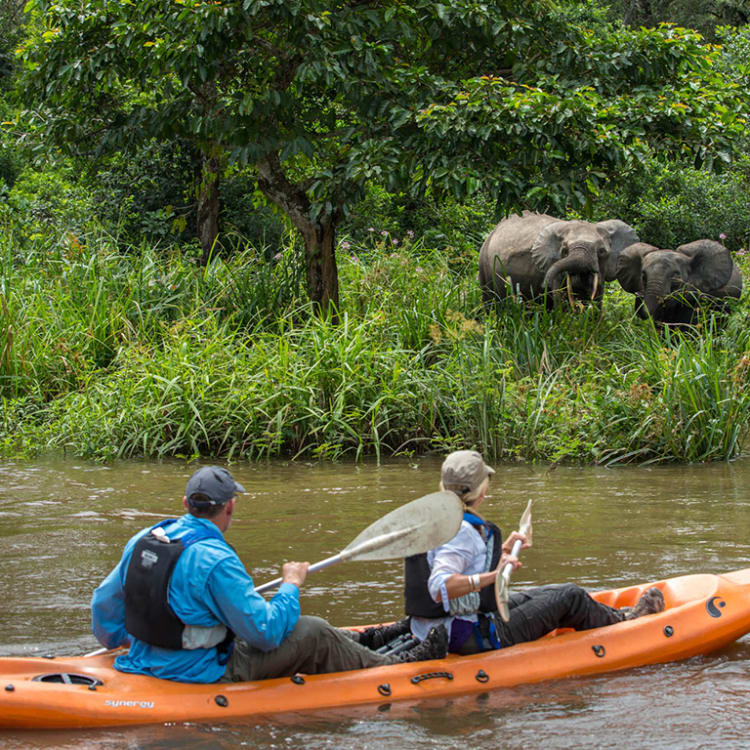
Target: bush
150 197
669 205
49 203
244 212
440 223
146 197
11 162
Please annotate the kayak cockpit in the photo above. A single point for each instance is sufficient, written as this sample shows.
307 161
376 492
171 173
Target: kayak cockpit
69 678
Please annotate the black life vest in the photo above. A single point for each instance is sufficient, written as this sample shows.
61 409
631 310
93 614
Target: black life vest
148 615
418 601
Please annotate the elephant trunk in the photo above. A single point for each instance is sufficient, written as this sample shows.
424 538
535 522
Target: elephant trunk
574 265
654 295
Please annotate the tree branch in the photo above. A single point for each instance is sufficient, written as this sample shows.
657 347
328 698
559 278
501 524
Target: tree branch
274 184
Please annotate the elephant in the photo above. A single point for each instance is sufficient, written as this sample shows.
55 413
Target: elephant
671 286
534 254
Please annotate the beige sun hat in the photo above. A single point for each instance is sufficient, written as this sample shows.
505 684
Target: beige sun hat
464 471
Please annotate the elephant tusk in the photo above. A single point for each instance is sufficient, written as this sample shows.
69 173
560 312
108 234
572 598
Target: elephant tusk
569 286
596 285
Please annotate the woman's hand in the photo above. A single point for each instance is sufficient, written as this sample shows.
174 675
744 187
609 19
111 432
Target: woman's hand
505 559
508 543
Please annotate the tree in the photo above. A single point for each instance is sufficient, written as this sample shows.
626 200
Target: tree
539 101
11 14
702 15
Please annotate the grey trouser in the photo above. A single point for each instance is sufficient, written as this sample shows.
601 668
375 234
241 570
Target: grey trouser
313 647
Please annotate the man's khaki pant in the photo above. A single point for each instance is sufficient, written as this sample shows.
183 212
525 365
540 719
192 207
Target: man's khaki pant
313 647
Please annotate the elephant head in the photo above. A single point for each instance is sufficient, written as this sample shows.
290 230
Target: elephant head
668 284
580 255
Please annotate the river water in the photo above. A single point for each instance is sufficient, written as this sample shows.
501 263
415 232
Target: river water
63 524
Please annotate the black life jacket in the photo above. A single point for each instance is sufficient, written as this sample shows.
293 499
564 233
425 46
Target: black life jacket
418 601
148 615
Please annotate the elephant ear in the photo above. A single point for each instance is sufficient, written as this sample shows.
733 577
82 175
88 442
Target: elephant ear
629 264
710 264
546 248
621 235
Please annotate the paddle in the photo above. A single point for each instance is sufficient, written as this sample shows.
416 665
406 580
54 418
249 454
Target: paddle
416 527
502 579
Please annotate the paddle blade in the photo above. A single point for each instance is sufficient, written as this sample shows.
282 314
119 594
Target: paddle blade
416 527
501 597
525 524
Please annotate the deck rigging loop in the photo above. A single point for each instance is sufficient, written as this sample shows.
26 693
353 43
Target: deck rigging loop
431 676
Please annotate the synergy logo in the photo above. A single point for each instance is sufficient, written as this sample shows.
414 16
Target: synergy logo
129 704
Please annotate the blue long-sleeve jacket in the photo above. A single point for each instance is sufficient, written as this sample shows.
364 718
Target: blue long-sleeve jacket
209 587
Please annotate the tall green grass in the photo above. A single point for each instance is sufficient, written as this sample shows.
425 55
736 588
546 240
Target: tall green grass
109 354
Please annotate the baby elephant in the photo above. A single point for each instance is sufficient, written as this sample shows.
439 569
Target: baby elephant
670 286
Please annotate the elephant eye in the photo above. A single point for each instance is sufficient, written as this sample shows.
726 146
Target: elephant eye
563 251
602 251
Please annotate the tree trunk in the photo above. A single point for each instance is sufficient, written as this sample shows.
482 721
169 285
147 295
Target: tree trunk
208 205
318 234
639 13
322 271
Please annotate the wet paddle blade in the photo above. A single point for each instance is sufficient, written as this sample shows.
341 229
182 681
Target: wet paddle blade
416 527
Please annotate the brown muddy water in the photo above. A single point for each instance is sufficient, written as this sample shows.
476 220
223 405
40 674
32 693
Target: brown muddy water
63 524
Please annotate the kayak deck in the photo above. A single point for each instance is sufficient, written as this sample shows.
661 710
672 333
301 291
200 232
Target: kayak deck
703 613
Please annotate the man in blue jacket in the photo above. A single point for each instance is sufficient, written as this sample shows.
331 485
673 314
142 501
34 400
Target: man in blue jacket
182 601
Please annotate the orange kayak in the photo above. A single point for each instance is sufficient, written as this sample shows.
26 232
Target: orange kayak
703 613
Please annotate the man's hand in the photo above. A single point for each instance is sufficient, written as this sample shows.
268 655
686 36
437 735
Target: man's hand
294 572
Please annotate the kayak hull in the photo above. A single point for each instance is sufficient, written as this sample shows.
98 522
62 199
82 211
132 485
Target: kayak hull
704 613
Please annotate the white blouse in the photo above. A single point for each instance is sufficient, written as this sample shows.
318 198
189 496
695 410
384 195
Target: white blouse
465 554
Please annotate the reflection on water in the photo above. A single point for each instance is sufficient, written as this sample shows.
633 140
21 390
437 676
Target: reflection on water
63 524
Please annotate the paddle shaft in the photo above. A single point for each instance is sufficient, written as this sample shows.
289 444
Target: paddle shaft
347 554
502 581
508 569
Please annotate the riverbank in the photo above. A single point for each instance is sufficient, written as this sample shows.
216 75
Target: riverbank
108 355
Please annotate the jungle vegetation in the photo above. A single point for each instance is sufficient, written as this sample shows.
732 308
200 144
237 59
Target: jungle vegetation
249 228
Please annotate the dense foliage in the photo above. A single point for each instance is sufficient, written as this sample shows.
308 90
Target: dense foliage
703 15
538 103
397 133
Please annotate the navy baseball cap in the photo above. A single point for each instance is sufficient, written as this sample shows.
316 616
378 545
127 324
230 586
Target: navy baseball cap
211 485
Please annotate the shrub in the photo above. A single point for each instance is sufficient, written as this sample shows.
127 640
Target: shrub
443 223
669 205
49 203
146 196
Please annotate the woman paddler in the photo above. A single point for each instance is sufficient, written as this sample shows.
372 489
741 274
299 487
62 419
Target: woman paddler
453 584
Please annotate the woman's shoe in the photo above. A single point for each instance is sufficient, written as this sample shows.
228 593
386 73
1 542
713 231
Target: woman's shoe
435 646
651 602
